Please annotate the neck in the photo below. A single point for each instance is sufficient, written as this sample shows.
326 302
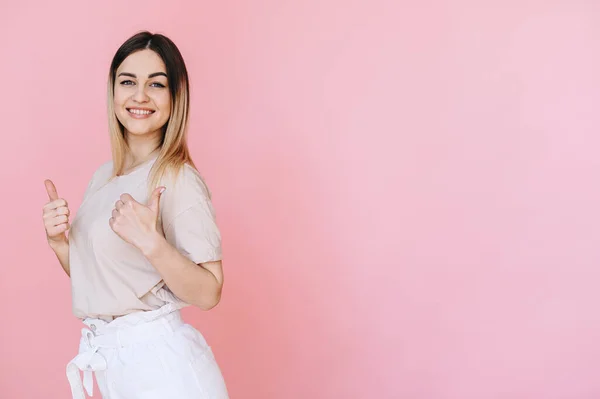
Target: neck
141 148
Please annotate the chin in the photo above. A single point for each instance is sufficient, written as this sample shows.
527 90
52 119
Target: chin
138 132
141 131
139 128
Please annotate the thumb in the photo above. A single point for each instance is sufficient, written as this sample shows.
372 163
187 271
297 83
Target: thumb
154 202
51 190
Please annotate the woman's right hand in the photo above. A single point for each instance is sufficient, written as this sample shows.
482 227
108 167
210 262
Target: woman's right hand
56 216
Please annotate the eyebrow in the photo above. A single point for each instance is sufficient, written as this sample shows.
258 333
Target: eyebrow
152 75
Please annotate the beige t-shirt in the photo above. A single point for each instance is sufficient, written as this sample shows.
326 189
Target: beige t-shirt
110 277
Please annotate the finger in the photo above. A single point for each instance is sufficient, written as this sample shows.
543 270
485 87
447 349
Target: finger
127 198
62 210
154 202
59 220
51 213
61 228
55 204
51 190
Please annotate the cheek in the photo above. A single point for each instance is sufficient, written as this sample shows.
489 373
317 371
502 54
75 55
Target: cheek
118 107
164 104
119 98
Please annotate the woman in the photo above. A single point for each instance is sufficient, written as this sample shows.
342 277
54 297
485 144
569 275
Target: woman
144 242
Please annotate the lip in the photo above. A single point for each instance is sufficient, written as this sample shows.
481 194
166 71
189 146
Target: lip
140 116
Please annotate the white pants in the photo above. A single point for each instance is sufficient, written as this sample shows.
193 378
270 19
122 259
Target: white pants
145 355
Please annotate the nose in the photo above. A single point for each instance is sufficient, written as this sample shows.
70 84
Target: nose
140 95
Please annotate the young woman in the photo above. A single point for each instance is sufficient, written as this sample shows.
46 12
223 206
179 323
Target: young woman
144 242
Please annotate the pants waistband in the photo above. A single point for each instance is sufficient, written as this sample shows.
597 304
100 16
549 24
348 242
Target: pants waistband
141 327
107 335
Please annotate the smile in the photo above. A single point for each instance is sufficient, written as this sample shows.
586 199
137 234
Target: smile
139 113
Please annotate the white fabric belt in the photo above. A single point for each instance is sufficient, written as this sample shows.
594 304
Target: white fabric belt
103 335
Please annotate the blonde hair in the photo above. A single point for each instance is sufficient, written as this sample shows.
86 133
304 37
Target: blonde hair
173 151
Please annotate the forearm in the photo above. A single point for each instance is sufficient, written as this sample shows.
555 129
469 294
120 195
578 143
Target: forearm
190 282
61 249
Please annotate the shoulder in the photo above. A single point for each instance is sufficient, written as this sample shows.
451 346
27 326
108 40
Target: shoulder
104 169
188 182
184 189
102 174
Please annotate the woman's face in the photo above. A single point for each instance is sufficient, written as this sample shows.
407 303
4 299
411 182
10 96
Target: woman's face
142 100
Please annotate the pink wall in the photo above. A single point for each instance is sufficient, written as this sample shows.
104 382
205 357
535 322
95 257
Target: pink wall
408 194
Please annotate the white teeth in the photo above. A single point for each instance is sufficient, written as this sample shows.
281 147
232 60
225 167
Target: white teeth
140 112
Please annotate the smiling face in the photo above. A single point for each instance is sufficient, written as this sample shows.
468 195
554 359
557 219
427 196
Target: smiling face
142 100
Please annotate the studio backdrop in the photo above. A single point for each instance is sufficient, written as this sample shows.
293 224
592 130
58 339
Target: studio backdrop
407 190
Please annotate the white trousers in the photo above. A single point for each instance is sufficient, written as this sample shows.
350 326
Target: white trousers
145 355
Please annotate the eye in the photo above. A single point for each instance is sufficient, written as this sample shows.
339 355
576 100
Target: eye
156 84
127 83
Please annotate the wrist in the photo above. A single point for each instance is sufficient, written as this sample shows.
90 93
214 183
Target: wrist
153 245
56 244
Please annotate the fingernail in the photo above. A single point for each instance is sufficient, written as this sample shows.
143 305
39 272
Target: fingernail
161 190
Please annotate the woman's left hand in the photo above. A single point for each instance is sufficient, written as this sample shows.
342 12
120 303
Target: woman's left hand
136 223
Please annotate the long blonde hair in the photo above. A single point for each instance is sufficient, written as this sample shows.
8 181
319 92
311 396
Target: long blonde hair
173 149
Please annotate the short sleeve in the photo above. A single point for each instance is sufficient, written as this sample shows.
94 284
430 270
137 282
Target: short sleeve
188 217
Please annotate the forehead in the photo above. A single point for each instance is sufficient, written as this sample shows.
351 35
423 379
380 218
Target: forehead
142 63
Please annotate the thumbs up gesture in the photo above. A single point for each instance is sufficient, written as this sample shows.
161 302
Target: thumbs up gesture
136 223
56 215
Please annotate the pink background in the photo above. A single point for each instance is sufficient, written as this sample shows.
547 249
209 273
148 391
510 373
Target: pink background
408 194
